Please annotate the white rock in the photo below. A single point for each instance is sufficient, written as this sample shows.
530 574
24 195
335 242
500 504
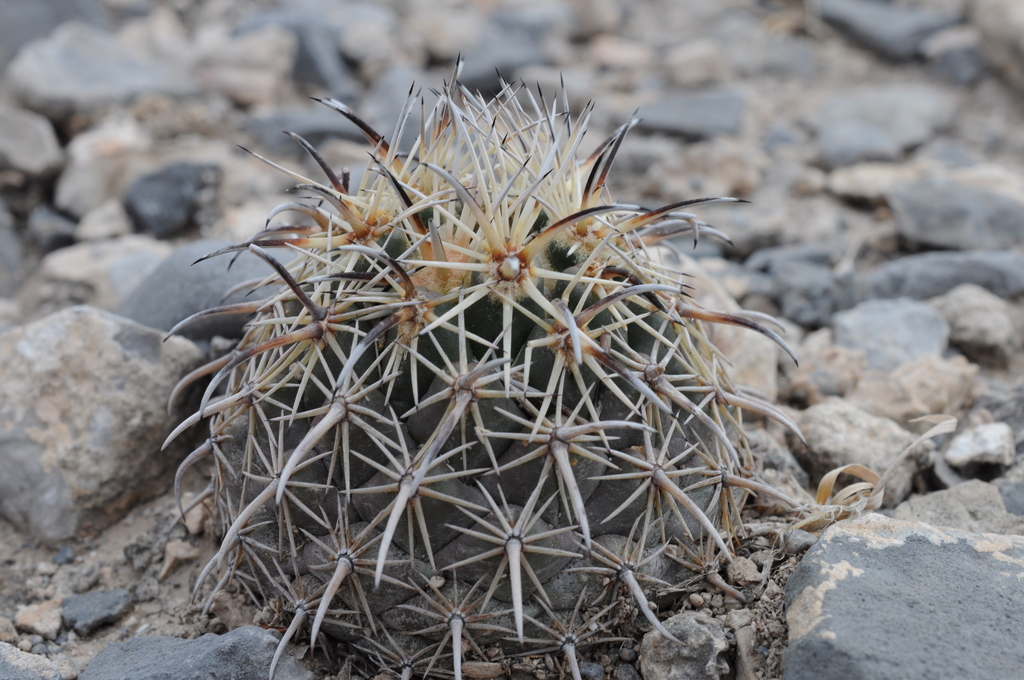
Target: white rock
989 443
105 221
981 324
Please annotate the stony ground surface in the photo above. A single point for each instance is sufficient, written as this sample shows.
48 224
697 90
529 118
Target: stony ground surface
881 145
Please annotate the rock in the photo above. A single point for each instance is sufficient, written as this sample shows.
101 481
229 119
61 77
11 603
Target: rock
99 159
1007 405
839 433
41 619
695 115
513 39
177 288
11 255
242 654
18 665
886 599
1001 23
252 68
384 102
100 273
8 633
700 654
696 63
86 613
318 56
22 21
871 182
56 76
943 213
825 371
1011 488
879 122
956 55
974 506
367 31
845 142
927 275
981 325
893 31
892 332
49 230
805 286
76 454
163 203
316 124
28 143
106 221
989 443
925 386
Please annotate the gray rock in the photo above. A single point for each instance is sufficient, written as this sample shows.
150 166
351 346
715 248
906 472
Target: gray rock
695 115
893 31
11 256
942 213
1011 489
804 286
892 332
839 433
86 613
18 665
974 506
24 20
956 55
845 142
384 102
83 412
50 230
700 654
28 143
242 654
927 275
183 288
1007 406
318 60
82 69
163 203
511 41
981 325
1001 25
874 120
886 599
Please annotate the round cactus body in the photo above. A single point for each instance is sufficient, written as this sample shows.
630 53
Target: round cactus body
477 408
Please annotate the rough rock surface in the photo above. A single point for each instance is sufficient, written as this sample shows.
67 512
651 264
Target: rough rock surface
76 453
886 599
700 654
242 654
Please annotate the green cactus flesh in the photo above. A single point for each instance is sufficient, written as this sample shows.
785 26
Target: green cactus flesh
477 409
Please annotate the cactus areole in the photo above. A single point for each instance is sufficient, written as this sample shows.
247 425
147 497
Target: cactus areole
478 412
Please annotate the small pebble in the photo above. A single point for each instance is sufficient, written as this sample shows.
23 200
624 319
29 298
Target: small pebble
627 652
697 600
64 556
591 671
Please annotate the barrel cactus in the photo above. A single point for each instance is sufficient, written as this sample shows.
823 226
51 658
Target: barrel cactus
477 415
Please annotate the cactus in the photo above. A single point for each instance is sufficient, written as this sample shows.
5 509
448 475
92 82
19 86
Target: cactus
477 408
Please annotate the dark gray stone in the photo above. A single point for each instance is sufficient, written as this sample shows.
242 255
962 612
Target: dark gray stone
182 288
892 332
86 613
242 654
316 124
805 288
384 102
11 255
1012 494
24 20
893 31
940 213
876 122
83 69
49 230
956 56
886 599
590 670
695 115
927 275
163 203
